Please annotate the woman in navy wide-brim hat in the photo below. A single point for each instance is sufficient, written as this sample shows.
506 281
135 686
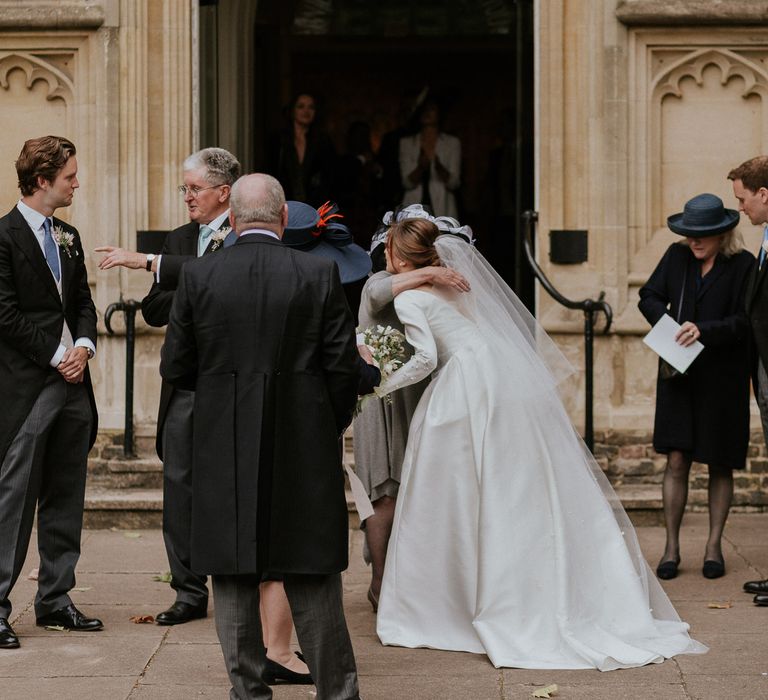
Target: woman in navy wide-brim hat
320 232
703 415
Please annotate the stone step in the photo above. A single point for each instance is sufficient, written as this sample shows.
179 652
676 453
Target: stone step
137 508
141 473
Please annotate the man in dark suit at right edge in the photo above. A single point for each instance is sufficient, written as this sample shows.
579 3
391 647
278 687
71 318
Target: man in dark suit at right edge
750 187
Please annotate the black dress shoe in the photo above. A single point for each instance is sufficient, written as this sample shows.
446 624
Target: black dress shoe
8 638
276 673
667 569
180 612
761 599
756 586
713 568
70 618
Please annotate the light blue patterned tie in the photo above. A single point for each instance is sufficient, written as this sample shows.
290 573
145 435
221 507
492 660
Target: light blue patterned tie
205 236
761 257
51 254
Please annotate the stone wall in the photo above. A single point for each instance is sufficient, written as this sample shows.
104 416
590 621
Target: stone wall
628 459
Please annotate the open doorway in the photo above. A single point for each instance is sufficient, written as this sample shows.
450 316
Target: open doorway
370 68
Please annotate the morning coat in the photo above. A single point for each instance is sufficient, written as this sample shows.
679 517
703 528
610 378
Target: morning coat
264 336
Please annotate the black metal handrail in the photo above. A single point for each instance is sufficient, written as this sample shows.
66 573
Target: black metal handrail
590 307
129 308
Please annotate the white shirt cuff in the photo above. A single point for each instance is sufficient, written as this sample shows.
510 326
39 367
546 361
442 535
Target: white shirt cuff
361 338
57 356
159 259
86 343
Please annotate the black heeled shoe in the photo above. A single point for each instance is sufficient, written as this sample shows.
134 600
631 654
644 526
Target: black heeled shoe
713 568
667 569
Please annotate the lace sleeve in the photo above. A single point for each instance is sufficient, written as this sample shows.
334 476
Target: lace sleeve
419 336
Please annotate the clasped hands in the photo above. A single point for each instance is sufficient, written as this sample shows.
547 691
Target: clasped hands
72 365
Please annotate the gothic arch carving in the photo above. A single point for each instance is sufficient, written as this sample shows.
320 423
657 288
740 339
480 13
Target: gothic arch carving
730 63
35 69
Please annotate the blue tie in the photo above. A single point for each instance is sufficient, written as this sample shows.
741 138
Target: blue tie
51 254
761 257
205 235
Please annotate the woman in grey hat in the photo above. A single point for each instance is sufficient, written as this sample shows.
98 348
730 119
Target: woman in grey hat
702 415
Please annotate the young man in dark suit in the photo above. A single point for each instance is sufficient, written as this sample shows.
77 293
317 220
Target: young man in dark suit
264 336
750 187
48 422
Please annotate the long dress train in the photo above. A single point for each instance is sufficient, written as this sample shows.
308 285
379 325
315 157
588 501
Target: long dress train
506 539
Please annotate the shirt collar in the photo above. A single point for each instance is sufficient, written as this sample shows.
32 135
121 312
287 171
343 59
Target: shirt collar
263 231
218 221
33 217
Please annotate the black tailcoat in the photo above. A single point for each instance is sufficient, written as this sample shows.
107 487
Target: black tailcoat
264 336
32 318
705 412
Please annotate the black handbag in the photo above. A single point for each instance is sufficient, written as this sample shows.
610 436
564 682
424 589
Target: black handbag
667 371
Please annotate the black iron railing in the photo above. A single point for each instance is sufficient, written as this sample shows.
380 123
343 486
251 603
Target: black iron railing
590 307
129 308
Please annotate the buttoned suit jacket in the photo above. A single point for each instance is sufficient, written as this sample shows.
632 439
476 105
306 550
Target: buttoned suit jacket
756 301
32 315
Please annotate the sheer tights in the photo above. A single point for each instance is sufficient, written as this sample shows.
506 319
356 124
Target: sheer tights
675 497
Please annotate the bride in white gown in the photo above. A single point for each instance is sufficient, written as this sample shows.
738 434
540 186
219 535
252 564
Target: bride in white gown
507 538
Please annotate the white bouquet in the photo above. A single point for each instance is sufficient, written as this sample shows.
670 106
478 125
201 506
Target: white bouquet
387 345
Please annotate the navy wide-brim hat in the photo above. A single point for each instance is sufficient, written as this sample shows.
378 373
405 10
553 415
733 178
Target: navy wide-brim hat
318 234
703 216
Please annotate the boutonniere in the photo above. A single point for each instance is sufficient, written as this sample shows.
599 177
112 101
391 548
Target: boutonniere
64 240
217 238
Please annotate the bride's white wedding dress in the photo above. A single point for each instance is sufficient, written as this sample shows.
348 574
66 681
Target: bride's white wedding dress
507 539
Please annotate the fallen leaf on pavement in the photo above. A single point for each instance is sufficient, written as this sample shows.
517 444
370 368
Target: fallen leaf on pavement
55 628
163 578
132 535
546 692
142 619
720 606
32 575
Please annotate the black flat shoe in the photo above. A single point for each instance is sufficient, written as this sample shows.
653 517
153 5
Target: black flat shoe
276 673
713 568
760 587
8 638
180 612
761 599
70 618
667 569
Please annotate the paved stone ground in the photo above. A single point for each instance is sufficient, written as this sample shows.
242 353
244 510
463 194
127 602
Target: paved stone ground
147 662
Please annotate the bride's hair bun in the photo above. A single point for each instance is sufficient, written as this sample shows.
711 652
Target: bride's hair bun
413 240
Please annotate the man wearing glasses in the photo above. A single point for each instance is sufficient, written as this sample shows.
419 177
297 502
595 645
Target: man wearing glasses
208 178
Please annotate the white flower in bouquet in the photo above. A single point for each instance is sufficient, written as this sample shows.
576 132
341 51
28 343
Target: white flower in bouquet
387 345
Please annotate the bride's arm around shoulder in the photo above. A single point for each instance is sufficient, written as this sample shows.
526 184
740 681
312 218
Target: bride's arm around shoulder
419 336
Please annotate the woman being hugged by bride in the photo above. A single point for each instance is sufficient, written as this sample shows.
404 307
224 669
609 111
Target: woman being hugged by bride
507 539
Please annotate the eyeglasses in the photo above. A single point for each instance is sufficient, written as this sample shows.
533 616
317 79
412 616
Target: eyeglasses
193 191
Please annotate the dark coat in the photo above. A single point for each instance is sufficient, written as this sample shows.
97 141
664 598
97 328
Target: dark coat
756 302
706 411
32 318
264 336
179 247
